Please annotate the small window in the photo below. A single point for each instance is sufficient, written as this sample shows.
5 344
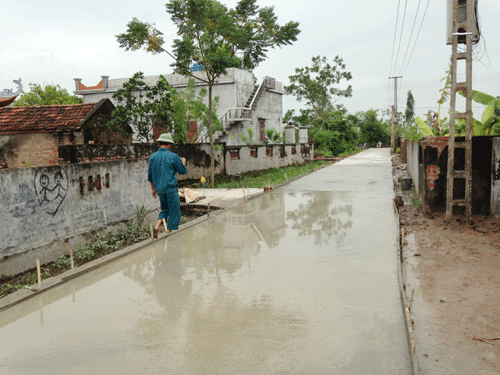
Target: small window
82 186
91 183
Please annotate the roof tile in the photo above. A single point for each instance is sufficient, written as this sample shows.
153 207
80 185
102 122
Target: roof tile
43 118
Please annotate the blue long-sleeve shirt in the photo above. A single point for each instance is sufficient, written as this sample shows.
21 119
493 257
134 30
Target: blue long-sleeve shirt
163 166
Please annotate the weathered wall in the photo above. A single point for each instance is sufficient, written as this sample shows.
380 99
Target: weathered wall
197 155
412 157
34 149
434 172
241 159
47 211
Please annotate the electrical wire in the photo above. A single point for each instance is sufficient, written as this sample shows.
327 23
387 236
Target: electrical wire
416 39
395 34
400 36
411 34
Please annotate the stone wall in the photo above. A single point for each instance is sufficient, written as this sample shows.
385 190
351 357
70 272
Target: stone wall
241 159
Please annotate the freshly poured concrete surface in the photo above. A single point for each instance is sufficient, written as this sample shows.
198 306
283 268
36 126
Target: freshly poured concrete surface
299 281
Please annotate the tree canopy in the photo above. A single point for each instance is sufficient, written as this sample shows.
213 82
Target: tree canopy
142 107
214 37
372 129
317 85
46 95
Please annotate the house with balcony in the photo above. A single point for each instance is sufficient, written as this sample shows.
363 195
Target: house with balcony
243 102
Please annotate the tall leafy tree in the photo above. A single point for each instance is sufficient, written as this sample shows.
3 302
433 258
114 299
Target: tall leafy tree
410 109
46 95
215 37
143 107
317 86
372 129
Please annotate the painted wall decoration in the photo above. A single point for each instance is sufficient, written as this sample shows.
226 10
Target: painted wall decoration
51 187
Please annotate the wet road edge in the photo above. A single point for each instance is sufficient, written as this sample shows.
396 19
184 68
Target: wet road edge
415 368
47 284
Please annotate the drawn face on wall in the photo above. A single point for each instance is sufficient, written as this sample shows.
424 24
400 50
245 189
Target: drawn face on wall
58 178
44 180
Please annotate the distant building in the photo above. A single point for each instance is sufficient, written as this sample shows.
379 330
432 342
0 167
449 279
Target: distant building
30 135
242 105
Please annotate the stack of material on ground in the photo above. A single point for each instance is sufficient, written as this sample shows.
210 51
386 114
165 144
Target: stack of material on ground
190 195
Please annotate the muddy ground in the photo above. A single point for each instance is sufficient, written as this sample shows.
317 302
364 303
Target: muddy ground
453 286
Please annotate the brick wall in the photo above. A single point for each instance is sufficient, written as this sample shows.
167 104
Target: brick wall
33 150
434 168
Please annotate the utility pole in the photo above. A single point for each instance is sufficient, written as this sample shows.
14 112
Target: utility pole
394 123
460 181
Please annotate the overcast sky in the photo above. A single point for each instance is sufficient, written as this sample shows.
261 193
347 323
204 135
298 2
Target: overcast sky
54 41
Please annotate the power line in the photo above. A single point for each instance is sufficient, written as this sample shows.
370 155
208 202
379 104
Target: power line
411 34
400 36
395 34
416 39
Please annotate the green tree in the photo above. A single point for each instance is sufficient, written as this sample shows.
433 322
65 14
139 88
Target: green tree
318 87
410 109
214 37
45 95
142 107
372 129
337 136
188 107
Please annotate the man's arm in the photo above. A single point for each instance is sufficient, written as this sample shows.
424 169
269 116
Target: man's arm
150 179
180 165
153 190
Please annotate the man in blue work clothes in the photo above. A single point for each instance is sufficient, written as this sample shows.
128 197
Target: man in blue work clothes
163 166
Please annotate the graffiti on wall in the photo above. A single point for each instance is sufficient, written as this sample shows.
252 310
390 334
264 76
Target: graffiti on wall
51 187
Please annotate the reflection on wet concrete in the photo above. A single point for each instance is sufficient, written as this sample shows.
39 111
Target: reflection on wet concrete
302 280
316 217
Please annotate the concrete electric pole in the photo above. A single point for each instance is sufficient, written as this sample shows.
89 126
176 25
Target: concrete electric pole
463 31
394 123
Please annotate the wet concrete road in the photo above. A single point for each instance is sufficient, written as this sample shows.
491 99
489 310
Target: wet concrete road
299 281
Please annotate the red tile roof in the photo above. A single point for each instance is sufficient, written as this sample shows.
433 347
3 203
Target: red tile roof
43 118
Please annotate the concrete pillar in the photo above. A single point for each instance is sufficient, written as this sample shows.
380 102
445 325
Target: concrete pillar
77 83
303 138
289 134
104 82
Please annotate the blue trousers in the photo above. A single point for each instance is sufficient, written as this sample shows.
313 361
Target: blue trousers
170 208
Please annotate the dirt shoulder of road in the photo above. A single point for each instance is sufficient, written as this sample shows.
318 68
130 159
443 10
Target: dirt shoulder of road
452 279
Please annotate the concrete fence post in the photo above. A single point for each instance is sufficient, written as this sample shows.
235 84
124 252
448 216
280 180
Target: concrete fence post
303 134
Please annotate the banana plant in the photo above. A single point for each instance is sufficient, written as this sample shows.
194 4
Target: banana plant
424 128
490 123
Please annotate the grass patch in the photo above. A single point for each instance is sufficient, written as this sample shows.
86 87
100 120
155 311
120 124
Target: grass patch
103 244
126 235
415 200
269 177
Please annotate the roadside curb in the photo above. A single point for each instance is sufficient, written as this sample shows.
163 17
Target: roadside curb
47 284
415 368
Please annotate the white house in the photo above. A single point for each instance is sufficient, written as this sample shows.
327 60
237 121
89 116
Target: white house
242 103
